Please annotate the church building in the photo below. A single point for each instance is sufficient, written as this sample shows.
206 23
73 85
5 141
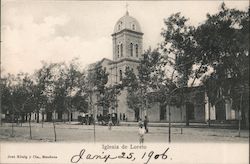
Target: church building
127 51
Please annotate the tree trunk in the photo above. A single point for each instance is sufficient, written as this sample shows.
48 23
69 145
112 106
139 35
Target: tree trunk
54 126
94 130
246 114
182 107
23 115
18 115
169 124
240 113
37 121
243 116
181 119
209 107
69 116
21 119
42 119
187 116
93 115
239 125
30 126
12 125
63 117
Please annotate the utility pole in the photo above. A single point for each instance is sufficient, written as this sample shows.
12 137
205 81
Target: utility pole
240 113
0 91
142 102
12 116
169 114
209 106
169 124
0 96
93 111
182 95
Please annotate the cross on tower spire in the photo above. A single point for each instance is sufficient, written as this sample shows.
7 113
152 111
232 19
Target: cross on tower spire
127 9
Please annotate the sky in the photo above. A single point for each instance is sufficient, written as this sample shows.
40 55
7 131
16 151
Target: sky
59 31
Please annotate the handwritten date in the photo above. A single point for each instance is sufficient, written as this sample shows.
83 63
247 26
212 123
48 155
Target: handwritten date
146 156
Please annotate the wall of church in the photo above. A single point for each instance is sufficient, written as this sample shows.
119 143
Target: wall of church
118 40
178 114
135 40
199 113
153 112
131 115
126 38
230 113
122 103
115 69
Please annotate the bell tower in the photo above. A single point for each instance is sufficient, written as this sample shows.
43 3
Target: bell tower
127 39
127 53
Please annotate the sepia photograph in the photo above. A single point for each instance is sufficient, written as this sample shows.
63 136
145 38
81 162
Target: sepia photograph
124 75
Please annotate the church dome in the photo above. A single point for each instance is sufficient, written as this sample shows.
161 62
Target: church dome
127 22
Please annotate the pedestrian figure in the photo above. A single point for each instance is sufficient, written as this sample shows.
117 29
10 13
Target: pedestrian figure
91 119
141 134
114 116
110 124
140 122
146 124
83 118
87 119
124 117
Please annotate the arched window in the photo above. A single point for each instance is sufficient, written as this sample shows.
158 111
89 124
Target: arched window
133 26
131 49
119 27
118 51
136 50
120 75
121 50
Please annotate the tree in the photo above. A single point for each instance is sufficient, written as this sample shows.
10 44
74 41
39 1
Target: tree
96 83
138 86
131 83
60 92
97 79
223 42
6 96
163 85
180 51
7 102
28 106
179 46
75 85
47 81
80 98
147 72
18 93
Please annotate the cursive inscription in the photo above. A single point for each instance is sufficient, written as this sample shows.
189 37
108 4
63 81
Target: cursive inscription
146 156
105 157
